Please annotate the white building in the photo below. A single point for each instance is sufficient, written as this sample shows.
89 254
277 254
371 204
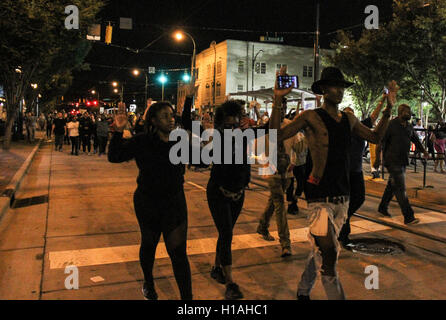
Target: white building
234 72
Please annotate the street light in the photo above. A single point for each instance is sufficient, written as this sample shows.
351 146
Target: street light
254 58
186 77
114 84
179 35
163 80
136 73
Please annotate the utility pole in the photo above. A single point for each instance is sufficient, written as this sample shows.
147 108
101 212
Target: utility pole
316 44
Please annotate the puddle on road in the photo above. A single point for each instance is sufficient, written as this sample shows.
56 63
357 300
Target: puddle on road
376 247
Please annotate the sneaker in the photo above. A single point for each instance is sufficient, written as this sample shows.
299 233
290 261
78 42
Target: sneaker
293 208
375 174
303 298
149 293
384 212
346 244
217 274
265 234
286 252
411 221
233 292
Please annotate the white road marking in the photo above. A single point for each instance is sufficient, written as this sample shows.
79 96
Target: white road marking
196 185
121 254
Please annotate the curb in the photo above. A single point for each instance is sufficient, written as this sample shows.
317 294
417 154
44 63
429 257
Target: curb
8 195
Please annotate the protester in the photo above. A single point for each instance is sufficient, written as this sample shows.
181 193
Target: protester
430 141
30 123
298 159
226 188
93 130
159 200
85 132
357 186
278 183
327 189
396 146
102 133
73 133
66 138
439 141
49 125
59 128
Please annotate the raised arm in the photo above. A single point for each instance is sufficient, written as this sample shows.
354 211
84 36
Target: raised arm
378 108
300 122
376 135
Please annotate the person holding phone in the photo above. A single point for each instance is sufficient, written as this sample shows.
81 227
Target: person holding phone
327 187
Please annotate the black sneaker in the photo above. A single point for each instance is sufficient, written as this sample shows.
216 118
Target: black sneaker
217 274
233 292
303 298
286 252
149 292
411 221
384 212
293 209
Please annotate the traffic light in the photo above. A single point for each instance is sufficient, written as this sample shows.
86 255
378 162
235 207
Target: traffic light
108 33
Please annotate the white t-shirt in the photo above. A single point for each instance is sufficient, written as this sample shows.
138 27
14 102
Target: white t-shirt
73 129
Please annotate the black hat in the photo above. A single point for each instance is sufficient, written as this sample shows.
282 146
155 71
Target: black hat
330 76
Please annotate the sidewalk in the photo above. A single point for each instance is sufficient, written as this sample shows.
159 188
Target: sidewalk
13 166
434 193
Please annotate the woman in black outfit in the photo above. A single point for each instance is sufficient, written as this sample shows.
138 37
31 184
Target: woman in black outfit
226 192
159 200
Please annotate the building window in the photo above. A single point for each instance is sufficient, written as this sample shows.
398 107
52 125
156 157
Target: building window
208 90
241 66
219 67
218 89
278 66
260 68
209 70
239 87
308 72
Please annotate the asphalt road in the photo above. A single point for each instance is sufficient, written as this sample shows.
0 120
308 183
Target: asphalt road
79 211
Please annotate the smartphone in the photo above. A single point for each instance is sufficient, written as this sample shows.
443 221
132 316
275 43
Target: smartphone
284 82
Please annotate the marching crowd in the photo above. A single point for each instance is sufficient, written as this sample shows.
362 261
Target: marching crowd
320 154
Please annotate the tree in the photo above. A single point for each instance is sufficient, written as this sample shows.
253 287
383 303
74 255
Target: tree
418 30
410 49
362 63
36 47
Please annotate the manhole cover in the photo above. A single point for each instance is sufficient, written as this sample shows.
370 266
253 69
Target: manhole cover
375 247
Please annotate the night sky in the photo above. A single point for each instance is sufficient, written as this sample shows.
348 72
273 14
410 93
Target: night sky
157 19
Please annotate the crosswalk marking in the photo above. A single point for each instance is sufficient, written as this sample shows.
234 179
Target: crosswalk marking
121 254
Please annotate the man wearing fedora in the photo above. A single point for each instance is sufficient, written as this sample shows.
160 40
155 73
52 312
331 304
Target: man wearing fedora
327 188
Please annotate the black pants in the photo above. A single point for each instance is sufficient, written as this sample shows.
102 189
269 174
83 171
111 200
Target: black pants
299 174
166 215
397 186
357 198
102 144
225 213
48 131
86 142
95 143
59 141
74 145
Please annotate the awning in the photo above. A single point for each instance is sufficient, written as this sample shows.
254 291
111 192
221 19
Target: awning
267 95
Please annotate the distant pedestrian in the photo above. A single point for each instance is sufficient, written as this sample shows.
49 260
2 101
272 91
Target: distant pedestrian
73 133
102 129
439 141
59 129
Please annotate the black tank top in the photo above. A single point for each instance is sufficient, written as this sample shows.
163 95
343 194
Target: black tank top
336 180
